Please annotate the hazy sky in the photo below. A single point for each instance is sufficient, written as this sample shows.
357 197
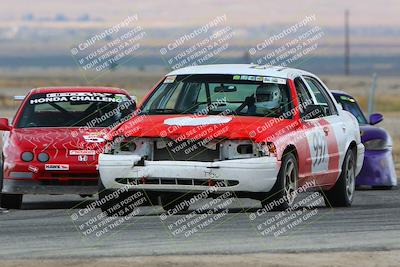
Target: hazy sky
195 12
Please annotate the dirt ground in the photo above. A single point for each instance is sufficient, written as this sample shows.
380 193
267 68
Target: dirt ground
365 259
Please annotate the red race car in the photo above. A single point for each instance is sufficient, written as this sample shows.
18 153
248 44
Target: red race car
53 142
258 131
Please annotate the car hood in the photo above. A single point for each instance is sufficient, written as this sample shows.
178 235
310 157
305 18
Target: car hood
57 138
369 132
199 127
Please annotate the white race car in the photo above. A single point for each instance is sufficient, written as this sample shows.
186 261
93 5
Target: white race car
256 131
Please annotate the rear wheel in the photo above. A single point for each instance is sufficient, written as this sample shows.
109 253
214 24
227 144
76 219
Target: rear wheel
342 193
283 193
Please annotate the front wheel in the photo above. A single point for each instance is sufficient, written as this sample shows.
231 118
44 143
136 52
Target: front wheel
342 193
11 201
283 193
8 201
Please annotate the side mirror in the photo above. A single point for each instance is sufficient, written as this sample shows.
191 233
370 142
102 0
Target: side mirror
375 118
313 112
4 125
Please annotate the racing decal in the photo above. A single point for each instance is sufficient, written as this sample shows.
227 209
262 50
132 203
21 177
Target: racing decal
56 167
93 138
82 152
259 79
170 79
83 158
274 80
318 144
74 97
196 121
346 98
33 169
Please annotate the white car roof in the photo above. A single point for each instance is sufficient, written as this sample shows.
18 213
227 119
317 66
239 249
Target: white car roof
241 69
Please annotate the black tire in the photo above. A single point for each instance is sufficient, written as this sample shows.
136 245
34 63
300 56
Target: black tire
117 206
11 201
383 187
1 176
84 196
282 191
8 201
342 193
106 206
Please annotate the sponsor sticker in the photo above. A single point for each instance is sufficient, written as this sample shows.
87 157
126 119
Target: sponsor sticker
170 79
274 80
33 169
93 138
82 158
82 152
346 98
56 167
75 97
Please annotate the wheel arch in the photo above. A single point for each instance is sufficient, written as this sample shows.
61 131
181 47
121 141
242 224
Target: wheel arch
290 149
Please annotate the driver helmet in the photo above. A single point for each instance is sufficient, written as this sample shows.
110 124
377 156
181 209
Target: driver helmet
268 96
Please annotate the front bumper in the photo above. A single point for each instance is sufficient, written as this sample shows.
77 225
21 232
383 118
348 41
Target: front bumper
20 178
378 169
14 186
239 175
360 157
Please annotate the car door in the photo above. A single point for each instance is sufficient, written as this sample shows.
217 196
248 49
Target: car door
326 139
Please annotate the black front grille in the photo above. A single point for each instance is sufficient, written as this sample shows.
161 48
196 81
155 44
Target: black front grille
177 181
75 175
188 150
69 182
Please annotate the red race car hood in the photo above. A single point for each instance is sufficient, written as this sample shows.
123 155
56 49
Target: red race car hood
200 127
58 138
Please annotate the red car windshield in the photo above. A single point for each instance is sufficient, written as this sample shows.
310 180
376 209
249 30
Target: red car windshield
74 109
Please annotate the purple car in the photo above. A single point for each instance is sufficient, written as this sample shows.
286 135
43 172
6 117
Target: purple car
378 170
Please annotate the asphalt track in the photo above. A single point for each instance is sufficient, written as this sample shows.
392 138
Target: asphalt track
44 229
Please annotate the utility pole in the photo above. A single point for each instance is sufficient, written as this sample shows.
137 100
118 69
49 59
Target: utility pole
347 43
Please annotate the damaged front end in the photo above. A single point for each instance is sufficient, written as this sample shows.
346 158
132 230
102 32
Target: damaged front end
164 164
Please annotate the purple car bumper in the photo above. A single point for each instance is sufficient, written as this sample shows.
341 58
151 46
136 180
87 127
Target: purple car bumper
378 169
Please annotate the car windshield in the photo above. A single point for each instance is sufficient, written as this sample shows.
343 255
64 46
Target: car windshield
350 104
241 95
74 109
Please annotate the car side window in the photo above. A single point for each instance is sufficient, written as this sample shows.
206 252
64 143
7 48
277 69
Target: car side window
321 96
303 94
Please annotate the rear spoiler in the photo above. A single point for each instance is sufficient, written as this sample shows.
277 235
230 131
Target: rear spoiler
19 97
